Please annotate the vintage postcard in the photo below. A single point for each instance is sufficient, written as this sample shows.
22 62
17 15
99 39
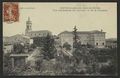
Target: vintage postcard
57 39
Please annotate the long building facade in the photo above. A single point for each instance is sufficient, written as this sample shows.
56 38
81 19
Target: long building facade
95 38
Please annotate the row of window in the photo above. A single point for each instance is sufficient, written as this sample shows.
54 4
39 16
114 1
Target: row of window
38 34
98 44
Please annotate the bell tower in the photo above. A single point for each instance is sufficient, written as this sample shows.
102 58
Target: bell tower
28 26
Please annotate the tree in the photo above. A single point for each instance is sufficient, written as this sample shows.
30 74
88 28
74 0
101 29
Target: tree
81 53
89 46
48 47
75 38
109 70
7 66
33 46
18 48
38 41
77 46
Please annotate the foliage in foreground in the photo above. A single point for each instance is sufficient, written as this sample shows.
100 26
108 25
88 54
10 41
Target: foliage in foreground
83 62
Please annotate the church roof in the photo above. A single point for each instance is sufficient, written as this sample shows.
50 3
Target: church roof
40 31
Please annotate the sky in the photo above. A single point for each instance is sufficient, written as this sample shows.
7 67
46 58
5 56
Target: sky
59 17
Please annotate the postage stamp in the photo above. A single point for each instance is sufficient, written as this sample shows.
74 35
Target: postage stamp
10 12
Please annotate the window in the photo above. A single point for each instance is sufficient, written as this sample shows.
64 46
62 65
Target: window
96 43
102 43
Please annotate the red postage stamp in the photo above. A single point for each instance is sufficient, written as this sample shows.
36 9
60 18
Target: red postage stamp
10 12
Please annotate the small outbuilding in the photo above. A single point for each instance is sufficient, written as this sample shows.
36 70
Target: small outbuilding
18 60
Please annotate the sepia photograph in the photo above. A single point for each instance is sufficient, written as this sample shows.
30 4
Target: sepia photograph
60 39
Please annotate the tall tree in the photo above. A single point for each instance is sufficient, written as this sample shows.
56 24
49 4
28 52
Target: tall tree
76 42
48 47
76 45
75 37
